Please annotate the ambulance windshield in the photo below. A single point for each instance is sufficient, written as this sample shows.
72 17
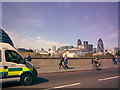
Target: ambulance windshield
13 56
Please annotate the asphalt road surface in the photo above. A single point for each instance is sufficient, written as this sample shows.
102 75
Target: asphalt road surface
107 78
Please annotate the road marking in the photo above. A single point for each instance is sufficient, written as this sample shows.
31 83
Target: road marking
108 78
67 85
63 86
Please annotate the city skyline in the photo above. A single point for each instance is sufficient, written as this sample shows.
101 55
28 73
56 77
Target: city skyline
46 24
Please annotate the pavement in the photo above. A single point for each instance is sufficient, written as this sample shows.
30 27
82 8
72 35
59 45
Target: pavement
55 69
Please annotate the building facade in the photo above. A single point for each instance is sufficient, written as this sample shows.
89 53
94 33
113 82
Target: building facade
53 48
85 43
79 42
90 47
116 49
100 46
65 48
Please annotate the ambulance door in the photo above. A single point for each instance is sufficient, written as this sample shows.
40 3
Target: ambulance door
14 63
0 66
3 71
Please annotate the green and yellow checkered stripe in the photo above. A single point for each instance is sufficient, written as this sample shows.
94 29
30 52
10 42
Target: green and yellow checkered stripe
14 71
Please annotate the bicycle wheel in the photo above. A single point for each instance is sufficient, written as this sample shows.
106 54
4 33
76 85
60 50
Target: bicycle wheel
100 66
94 67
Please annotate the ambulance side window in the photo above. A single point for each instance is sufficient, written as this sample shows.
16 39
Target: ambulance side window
0 56
12 56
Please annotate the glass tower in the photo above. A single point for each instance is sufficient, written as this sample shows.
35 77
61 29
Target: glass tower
100 46
85 45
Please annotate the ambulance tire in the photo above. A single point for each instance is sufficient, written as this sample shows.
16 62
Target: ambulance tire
26 79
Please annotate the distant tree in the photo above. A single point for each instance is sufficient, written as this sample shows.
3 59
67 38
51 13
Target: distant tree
49 49
88 54
30 50
117 53
49 55
108 55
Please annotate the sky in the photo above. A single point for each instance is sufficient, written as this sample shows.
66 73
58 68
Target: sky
45 24
0 14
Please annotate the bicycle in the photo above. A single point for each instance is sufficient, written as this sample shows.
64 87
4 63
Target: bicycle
97 66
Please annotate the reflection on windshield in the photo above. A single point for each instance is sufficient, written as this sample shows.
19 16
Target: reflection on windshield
13 56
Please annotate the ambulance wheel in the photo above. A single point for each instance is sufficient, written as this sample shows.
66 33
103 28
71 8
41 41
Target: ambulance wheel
26 79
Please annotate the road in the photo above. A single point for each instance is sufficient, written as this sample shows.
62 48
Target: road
107 78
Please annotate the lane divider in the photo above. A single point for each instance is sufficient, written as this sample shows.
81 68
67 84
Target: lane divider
63 86
67 85
108 78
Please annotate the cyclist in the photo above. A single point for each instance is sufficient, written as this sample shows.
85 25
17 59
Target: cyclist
96 63
114 60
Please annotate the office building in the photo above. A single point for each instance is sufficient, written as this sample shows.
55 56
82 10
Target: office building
65 48
94 50
100 46
81 47
90 47
116 49
53 48
85 43
79 42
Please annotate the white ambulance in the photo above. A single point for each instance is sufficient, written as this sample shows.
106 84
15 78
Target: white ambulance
13 66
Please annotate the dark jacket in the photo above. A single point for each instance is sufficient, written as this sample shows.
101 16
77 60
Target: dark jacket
61 60
29 58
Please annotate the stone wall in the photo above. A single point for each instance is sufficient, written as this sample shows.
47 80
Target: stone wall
72 62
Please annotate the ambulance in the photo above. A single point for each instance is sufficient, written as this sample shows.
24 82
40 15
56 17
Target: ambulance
13 67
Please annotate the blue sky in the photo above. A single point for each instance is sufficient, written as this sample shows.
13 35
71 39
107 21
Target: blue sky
45 24
0 14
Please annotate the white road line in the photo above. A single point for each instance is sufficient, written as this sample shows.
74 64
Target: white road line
108 78
62 86
67 85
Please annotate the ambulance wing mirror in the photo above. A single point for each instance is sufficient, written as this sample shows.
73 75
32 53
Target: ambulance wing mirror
25 61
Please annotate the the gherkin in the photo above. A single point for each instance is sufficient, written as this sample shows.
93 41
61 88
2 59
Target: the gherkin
4 38
100 46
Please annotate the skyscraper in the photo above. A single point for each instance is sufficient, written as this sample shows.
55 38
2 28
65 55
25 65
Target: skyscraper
116 49
100 46
90 47
79 42
85 43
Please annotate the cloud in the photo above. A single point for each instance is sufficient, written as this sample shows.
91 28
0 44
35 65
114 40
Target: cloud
23 16
33 43
41 42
